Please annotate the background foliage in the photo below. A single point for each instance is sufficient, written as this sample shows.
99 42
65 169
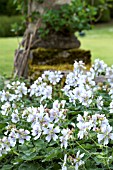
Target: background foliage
8 7
17 7
8 23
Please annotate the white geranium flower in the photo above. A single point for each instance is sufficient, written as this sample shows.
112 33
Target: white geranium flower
6 96
64 138
71 80
32 89
12 138
51 132
99 102
80 118
54 77
5 107
64 163
5 145
105 135
99 121
36 131
78 162
99 67
47 92
84 124
21 90
23 135
15 116
86 97
66 89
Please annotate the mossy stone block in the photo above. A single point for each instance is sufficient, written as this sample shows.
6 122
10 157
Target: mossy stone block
55 59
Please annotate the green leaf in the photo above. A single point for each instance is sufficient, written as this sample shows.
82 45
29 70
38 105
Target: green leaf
40 143
52 153
7 167
30 166
22 148
2 125
29 155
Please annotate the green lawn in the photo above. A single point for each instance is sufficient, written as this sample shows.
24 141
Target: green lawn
99 40
7 48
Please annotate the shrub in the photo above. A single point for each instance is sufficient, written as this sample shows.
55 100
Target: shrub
69 18
6 26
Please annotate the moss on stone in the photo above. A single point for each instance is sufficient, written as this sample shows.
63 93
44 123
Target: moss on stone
42 56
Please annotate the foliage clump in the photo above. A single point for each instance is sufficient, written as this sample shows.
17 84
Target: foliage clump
69 18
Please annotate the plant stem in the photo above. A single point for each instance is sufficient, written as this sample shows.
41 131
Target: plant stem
82 147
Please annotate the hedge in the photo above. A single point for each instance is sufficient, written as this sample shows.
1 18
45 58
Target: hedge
7 7
6 26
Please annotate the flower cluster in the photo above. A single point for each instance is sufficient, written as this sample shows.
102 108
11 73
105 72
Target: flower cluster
40 89
79 85
53 77
43 121
11 137
97 123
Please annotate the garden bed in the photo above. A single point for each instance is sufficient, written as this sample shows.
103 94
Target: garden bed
59 121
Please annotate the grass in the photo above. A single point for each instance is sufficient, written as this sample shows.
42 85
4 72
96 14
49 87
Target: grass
7 49
99 40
